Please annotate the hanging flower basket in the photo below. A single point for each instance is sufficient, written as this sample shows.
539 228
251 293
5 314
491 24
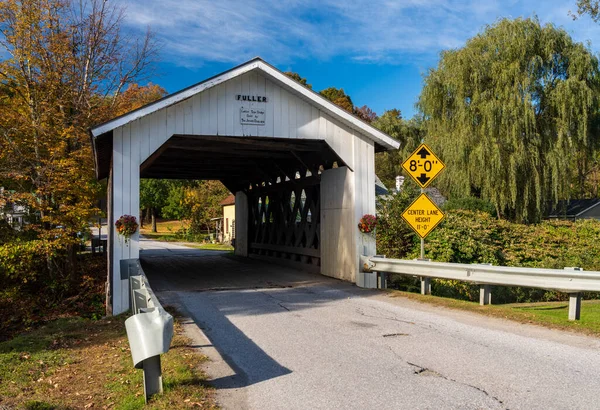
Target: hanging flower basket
126 226
367 224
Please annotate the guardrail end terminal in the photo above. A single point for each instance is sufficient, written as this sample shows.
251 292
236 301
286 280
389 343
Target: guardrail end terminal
366 263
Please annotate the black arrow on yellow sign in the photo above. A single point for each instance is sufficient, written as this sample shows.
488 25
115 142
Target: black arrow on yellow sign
423 179
423 154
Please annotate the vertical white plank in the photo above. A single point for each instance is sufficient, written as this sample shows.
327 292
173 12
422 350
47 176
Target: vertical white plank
261 90
230 105
188 117
205 113
253 91
221 109
126 204
179 118
285 113
171 122
161 127
269 126
323 127
117 212
344 149
301 118
245 90
144 139
213 119
237 105
276 104
134 185
196 101
136 140
371 179
292 124
314 123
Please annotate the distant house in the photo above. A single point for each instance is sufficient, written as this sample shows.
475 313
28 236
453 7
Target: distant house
576 209
11 212
228 220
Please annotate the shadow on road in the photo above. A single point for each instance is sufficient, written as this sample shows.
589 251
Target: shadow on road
210 287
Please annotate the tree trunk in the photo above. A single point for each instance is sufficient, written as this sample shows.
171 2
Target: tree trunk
142 219
154 220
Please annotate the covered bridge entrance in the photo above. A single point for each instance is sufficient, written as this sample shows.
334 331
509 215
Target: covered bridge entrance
301 168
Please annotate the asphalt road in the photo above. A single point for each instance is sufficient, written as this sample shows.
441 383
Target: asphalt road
283 339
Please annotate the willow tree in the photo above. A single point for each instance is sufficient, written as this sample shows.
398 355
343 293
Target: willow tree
512 113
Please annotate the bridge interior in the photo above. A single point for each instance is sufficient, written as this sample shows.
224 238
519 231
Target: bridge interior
280 176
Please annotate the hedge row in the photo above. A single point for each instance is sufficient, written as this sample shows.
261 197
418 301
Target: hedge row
477 237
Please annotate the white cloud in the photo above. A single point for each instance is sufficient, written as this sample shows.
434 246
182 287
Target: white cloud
194 31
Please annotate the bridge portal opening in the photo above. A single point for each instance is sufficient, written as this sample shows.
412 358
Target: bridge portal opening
302 168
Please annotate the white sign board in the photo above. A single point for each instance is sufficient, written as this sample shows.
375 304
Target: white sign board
252 116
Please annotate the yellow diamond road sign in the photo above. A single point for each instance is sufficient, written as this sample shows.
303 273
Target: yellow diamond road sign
423 215
423 166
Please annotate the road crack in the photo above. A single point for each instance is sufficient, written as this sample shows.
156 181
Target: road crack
424 371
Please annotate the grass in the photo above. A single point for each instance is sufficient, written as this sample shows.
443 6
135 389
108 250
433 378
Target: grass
212 246
549 314
164 227
81 363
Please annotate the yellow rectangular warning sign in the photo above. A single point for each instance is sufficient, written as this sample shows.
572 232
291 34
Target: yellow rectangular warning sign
423 215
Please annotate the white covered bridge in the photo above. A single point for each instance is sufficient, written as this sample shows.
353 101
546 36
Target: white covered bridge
302 168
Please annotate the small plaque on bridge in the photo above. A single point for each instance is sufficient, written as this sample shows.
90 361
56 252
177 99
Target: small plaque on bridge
423 165
252 116
423 215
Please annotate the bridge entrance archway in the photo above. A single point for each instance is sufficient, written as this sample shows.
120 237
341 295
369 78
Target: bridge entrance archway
301 168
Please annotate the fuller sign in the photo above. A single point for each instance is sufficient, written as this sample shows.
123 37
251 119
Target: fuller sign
423 166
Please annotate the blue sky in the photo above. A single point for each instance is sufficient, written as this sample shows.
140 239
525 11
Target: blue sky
377 51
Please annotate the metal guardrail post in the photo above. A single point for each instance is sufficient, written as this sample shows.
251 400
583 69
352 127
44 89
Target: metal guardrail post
149 332
485 275
152 376
425 281
574 300
425 286
485 295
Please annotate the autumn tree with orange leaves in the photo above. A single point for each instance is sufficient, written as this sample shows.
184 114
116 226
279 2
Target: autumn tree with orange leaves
66 66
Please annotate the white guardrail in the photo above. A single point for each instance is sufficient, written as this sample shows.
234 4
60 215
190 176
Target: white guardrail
149 330
569 280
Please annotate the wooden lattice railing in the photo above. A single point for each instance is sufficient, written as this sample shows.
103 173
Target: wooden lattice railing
285 221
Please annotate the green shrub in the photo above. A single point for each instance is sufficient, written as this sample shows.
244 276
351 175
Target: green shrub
470 203
478 237
37 266
395 238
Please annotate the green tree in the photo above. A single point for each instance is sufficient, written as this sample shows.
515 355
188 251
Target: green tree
154 194
64 66
409 133
589 7
338 97
296 77
510 112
